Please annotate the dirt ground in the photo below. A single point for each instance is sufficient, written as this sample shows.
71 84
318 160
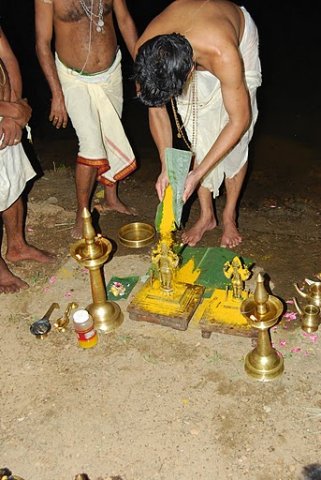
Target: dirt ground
150 402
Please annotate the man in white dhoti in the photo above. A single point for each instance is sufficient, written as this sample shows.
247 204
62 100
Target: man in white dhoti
85 79
15 170
209 70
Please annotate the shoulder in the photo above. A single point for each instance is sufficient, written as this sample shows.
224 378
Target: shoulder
214 48
48 2
43 7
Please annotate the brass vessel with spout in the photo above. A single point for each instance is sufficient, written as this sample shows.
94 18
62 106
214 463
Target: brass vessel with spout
313 293
262 311
92 251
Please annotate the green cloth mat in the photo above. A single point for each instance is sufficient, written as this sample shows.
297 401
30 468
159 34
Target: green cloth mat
121 285
210 260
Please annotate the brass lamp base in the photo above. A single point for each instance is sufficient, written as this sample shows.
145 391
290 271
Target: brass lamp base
107 316
263 367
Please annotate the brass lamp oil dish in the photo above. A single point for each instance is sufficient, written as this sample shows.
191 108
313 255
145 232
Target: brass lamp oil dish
136 235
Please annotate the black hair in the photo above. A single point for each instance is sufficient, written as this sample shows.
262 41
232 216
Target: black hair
161 68
312 472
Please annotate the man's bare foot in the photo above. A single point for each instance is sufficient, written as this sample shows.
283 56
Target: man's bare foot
231 236
118 206
9 283
27 252
76 231
102 208
192 236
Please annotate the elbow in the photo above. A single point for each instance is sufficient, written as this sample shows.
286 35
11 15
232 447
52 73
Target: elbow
247 120
38 49
241 126
38 46
241 122
41 48
244 122
247 116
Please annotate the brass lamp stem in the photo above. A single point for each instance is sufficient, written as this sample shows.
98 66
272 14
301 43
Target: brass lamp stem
264 347
97 285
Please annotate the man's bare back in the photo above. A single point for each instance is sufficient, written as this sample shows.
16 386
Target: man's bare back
74 38
209 25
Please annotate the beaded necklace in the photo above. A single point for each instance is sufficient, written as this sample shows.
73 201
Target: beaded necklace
96 18
191 111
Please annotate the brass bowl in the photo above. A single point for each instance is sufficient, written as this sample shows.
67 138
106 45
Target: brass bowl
136 235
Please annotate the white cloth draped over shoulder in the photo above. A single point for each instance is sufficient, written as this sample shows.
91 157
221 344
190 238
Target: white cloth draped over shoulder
212 116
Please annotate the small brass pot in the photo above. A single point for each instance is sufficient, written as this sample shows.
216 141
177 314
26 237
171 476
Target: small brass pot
310 316
136 235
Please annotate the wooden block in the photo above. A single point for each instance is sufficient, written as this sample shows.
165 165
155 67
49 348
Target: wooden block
207 328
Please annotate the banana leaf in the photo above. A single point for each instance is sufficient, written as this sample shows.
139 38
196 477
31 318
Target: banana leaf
177 165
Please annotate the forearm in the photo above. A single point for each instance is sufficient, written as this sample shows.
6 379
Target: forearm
8 109
161 131
47 63
129 34
235 97
126 25
5 90
19 112
225 142
14 78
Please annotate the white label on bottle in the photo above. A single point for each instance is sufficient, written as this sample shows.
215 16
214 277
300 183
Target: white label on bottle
90 334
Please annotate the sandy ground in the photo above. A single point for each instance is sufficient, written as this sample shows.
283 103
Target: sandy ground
149 402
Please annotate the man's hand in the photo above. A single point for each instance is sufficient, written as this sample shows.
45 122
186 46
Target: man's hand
58 113
17 110
191 184
21 112
161 184
10 133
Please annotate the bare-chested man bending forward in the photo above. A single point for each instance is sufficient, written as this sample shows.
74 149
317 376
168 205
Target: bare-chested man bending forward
87 56
203 52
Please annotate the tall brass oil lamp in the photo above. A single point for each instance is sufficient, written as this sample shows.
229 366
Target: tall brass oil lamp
92 252
262 311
